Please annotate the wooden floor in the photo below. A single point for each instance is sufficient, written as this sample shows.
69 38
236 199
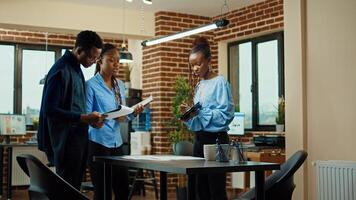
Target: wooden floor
22 195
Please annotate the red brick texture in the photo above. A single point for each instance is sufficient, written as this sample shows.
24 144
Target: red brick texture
162 63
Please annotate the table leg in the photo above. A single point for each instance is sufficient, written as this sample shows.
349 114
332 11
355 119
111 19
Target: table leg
9 172
191 187
1 169
107 181
260 185
163 185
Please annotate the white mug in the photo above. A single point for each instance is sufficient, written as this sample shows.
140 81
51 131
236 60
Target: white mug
209 152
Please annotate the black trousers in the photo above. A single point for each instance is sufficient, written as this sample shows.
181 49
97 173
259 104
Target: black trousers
209 186
120 177
75 158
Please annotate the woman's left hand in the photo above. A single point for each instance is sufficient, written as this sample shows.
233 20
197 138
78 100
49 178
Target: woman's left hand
121 119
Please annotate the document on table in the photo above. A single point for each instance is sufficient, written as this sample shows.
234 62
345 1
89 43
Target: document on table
161 157
124 110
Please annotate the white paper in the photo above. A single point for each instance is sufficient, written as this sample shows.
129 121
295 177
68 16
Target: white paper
127 110
144 102
161 157
122 112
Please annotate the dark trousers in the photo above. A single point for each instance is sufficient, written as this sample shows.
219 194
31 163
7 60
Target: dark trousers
209 186
120 177
74 159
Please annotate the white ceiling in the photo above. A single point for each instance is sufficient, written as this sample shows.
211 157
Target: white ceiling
197 7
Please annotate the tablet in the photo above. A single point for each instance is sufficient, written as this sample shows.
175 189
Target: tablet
191 110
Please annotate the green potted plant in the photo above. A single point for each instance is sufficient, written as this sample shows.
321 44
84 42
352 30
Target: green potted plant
280 118
179 134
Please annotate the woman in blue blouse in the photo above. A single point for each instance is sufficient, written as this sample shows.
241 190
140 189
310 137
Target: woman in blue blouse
211 121
106 93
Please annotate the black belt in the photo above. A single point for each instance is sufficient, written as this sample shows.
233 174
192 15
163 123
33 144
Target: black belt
210 135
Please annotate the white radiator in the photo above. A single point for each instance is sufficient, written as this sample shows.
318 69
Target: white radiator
336 180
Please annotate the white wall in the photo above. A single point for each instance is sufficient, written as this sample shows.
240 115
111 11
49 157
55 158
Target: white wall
331 80
135 49
295 91
68 17
320 66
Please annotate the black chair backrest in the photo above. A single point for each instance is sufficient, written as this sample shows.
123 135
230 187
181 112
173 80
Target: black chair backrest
280 185
45 182
22 163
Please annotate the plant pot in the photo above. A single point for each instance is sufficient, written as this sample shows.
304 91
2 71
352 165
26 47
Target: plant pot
183 148
279 128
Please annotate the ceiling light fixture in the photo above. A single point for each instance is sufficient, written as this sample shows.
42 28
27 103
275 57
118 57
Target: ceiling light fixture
149 2
216 24
125 56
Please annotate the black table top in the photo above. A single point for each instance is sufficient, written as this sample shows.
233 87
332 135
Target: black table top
17 144
187 166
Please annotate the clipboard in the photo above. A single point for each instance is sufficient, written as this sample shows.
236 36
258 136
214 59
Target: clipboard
190 111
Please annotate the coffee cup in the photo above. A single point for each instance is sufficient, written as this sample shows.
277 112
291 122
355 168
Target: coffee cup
209 152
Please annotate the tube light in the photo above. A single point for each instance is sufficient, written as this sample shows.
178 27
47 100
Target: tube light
208 27
149 2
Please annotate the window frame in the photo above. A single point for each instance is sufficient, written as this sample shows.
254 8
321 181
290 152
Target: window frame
18 66
254 87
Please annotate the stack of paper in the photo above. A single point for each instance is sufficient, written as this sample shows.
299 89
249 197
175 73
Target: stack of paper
124 110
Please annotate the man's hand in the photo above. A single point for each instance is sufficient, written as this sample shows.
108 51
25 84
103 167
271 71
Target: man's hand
94 119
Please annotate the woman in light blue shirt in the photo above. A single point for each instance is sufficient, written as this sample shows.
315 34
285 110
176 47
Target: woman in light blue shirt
211 121
105 93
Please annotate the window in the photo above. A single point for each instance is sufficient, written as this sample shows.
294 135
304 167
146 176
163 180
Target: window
256 74
7 73
35 65
22 67
88 73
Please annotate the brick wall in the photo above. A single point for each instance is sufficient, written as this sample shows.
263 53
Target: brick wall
266 16
163 62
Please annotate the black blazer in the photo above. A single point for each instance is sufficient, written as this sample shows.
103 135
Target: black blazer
56 115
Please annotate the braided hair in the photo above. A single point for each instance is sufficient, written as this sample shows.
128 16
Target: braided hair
106 48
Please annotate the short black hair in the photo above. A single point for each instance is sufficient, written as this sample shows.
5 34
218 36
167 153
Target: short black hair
87 40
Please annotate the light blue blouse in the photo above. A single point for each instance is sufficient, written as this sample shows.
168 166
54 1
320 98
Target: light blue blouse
217 106
102 99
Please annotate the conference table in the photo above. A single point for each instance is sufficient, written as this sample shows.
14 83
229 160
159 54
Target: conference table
182 165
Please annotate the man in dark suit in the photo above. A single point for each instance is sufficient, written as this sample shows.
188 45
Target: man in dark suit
63 128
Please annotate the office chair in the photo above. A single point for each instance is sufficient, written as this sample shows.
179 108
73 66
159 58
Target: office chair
45 184
138 182
280 185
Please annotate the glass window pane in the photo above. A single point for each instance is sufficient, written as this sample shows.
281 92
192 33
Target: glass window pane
267 64
7 67
35 64
245 82
87 72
